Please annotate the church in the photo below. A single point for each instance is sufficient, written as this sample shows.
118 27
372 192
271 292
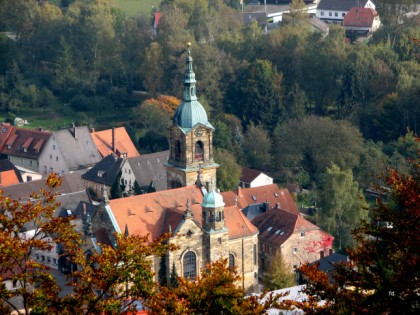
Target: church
203 227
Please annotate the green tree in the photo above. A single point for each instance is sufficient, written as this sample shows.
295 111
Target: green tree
229 172
136 188
382 274
116 189
341 206
279 274
256 146
152 69
257 95
314 143
173 279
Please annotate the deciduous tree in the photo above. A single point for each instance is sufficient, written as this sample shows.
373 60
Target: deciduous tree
279 274
382 276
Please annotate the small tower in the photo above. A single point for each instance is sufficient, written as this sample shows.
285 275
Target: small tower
190 138
216 239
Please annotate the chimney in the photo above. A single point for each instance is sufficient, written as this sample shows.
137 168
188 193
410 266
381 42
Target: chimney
113 139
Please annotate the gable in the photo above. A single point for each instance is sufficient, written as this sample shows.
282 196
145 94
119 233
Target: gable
77 147
359 17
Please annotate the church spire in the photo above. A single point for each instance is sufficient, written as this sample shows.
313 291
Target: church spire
189 78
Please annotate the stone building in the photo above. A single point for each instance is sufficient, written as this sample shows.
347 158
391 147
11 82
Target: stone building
193 212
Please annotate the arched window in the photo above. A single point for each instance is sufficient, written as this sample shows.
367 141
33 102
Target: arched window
177 150
190 265
199 151
231 261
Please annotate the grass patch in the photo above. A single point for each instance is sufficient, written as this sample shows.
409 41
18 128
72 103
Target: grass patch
137 7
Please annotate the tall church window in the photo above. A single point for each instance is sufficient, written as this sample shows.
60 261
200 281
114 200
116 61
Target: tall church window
190 265
231 261
255 254
177 150
199 151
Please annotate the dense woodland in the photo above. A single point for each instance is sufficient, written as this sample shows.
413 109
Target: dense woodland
317 111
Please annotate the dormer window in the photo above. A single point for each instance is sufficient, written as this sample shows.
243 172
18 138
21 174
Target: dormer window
101 174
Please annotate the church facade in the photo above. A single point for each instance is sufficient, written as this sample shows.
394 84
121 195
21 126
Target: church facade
192 212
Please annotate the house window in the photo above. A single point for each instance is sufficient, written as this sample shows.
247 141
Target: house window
231 261
53 146
295 249
321 254
43 258
330 13
322 13
55 261
336 14
190 265
199 151
45 169
263 248
302 234
51 170
14 283
48 259
30 162
177 150
37 257
343 14
255 254
56 158
50 156
219 240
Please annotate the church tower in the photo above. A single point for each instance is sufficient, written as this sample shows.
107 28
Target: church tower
190 138
216 237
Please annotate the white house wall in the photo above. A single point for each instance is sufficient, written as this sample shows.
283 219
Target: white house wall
51 159
261 180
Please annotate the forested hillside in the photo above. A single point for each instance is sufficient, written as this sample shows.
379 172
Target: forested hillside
290 102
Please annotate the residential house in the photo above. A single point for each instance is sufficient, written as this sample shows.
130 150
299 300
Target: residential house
9 174
333 11
148 170
362 21
23 147
298 240
282 227
6 129
253 178
69 150
115 140
104 174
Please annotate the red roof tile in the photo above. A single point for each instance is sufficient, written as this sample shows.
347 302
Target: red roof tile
160 212
8 178
123 143
360 17
257 195
21 144
248 174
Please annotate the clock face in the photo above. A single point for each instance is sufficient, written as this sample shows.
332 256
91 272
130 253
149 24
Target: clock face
199 132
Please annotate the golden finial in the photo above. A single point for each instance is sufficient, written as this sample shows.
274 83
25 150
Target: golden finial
189 44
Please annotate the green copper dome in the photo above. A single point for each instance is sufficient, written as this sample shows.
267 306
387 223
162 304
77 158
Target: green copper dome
212 199
190 112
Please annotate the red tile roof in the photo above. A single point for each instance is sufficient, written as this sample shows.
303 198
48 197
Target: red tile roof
25 143
277 225
160 212
123 143
257 195
360 17
5 130
248 174
8 178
